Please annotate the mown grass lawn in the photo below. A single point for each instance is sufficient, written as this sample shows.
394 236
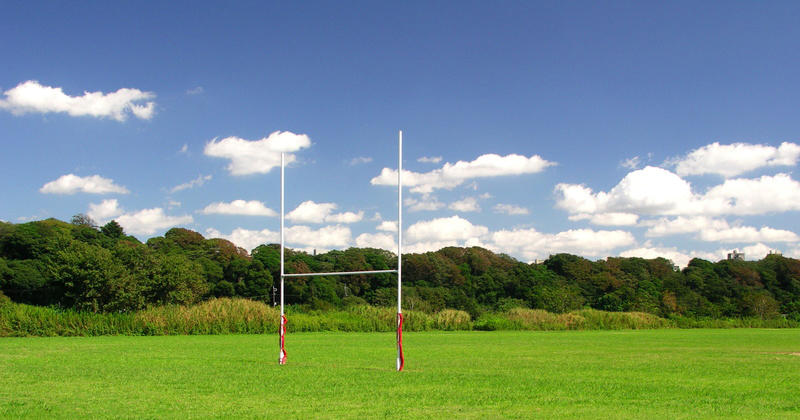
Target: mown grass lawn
743 373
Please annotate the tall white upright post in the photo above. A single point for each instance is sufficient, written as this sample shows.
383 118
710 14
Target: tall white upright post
282 355
400 359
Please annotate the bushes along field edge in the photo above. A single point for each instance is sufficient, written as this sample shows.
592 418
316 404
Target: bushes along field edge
243 316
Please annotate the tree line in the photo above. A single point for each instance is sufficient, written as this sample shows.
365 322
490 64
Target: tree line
81 266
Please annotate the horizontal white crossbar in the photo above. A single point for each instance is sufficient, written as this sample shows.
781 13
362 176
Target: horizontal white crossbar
339 273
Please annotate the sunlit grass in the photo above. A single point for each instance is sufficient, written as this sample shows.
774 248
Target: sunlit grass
743 373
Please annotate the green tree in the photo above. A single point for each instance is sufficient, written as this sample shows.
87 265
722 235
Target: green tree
113 230
81 219
84 272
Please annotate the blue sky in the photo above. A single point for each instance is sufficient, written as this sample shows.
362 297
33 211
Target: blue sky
596 128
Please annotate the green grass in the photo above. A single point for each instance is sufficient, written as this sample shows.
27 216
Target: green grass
668 373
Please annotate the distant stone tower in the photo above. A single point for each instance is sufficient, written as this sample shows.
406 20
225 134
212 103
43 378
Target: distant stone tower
736 255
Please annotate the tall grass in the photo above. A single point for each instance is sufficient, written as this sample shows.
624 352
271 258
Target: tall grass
592 319
242 316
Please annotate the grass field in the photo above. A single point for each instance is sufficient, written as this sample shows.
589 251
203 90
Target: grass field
742 373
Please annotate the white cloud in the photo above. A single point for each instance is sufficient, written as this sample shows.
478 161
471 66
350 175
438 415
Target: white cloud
679 258
32 97
453 175
311 212
308 239
359 160
197 182
680 225
734 159
142 222
778 193
532 244
740 234
346 217
240 207
257 156
607 219
377 240
656 191
716 230
431 159
247 239
388 226
647 191
149 221
71 184
427 203
184 149
756 251
105 211
466 205
428 246
336 236
510 209
452 228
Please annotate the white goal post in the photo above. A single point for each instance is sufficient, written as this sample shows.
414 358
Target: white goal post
282 329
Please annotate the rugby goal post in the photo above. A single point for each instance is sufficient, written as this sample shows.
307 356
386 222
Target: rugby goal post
282 329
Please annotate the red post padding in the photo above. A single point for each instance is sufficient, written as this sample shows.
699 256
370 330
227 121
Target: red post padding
400 341
282 358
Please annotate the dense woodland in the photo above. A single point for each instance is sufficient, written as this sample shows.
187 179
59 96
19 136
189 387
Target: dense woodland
100 269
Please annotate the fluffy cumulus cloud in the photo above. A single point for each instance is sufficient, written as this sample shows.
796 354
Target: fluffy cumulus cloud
197 182
240 207
734 159
150 221
766 194
142 222
658 192
104 211
743 234
311 212
377 240
71 184
452 228
666 226
428 202
257 156
387 226
452 175
716 230
510 209
326 237
468 204
432 235
607 219
247 239
32 97
532 244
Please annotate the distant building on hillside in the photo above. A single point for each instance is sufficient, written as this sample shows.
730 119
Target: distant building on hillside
736 255
774 252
